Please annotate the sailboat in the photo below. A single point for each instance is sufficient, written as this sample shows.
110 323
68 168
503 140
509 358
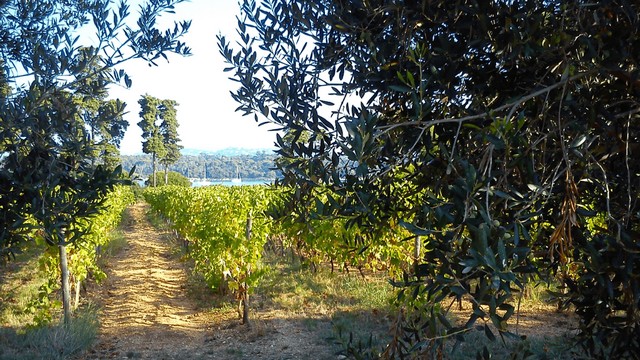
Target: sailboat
237 179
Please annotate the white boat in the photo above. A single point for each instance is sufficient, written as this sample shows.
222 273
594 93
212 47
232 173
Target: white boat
237 179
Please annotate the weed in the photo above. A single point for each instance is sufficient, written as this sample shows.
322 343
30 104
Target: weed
116 244
236 352
133 355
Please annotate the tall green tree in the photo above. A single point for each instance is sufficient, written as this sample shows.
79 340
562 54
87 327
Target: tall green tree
169 130
153 139
510 125
49 179
159 126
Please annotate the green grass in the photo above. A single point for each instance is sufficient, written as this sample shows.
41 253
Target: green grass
20 338
361 312
157 221
295 288
116 244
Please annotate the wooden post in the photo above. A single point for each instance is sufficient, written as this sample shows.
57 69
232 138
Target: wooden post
76 303
416 253
245 293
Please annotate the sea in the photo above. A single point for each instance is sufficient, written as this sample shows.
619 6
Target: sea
198 183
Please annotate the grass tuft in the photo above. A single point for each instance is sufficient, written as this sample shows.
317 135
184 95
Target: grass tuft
57 341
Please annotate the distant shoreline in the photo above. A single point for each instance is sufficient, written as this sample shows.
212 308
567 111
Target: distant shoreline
230 182
231 179
225 182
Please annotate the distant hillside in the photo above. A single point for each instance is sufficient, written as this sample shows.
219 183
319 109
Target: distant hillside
257 164
225 152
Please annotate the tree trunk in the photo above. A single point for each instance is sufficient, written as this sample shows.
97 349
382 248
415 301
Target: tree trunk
66 295
153 165
166 174
245 307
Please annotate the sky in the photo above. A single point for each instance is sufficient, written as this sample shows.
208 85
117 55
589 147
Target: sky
206 116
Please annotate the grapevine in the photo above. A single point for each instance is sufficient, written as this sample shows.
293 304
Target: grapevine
214 221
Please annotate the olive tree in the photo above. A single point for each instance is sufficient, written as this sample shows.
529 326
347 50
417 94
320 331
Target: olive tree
510 126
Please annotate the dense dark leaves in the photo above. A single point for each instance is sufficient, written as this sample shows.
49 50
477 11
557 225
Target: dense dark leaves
503 132
606 295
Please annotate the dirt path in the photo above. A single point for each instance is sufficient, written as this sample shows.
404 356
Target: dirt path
146 313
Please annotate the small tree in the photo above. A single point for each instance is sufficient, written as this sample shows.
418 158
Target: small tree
49 178
173 178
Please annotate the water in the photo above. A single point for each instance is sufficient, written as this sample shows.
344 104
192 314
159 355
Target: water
230 183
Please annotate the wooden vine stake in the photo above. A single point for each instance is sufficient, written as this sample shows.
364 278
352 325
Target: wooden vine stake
64 271
417 246
245 288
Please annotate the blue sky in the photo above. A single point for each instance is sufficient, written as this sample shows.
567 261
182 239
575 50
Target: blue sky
206 111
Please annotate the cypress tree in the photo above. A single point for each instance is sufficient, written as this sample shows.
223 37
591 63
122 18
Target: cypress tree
169 131
153 140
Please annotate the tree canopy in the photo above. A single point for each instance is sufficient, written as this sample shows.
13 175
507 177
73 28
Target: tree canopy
103 118
501 132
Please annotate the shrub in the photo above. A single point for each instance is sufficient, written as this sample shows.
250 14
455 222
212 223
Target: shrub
174 178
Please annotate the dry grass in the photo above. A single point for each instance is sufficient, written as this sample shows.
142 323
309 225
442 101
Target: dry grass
20 281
